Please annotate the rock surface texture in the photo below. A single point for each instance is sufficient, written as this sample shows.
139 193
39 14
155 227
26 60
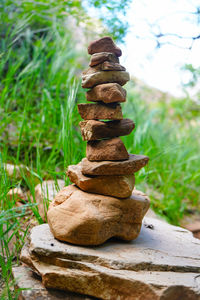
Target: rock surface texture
100 111
92 218
107 92
116 185
112 149
162 264
95 130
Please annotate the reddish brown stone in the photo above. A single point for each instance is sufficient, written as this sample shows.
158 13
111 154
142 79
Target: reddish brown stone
92 79
105 66
112 149
126 167
95 130
116 186
99 58
110 66
96 111
104 44
107 92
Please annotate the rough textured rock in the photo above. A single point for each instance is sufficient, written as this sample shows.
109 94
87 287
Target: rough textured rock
125 167
95 130
112 149
110 66
84 218
100 57
115 186
45 193
31 287
162 264
104 44
100 111
107 92
93 79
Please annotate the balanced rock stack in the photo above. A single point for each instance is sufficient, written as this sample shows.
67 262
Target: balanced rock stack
101 203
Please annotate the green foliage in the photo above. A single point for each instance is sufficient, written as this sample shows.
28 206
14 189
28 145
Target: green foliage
172 142
112 14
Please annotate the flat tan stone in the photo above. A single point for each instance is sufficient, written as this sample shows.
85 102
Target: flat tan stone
107 92
114 186
163 263
112 149
125 167
98 58
93 79
104 44
95 130
31 287
96 111
84 218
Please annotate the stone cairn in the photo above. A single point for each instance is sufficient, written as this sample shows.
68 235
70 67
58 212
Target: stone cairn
101 203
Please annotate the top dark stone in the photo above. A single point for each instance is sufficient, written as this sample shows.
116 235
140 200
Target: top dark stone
104 44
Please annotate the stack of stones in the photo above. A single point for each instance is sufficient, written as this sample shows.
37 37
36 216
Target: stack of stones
101 203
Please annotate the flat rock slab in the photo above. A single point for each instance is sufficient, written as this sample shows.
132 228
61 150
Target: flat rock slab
104 44
107 92
83 218
32 288
100 57
163 263
91 80
112 149
100 111
92 130
115 186
126 167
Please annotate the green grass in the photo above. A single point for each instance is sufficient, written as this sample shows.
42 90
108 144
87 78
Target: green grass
39 91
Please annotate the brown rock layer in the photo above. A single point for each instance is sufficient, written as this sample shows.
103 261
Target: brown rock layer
150 268
100 57
105 66
126 167
93 79
96 111
90 219
115 186
107 92
112 149
95 130
104 44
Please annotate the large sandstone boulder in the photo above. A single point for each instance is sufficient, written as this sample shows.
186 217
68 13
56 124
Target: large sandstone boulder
114 186
163 263
83 218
